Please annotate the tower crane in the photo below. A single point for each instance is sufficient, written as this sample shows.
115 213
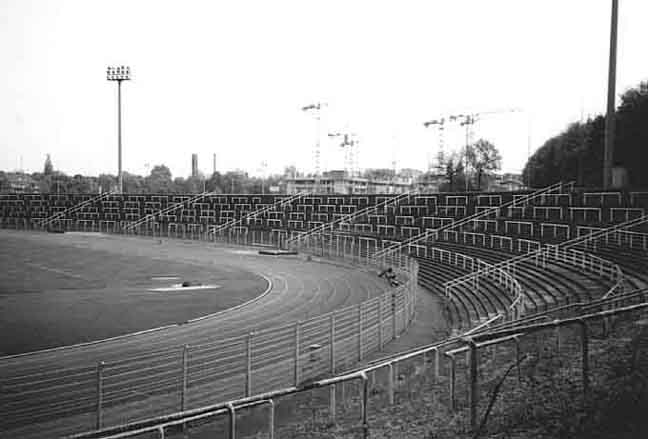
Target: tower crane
315 109
350 144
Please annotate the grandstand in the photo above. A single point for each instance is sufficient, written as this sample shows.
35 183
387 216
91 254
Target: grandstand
516 272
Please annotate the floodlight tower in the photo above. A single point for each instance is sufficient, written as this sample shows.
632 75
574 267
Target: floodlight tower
316 110
119 74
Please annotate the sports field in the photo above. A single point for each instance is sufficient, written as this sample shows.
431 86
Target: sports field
62 289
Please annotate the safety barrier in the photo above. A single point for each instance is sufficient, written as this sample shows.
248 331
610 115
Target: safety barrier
190 375
386 373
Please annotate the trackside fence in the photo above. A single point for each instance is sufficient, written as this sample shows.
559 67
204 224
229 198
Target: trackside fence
167 380
485 374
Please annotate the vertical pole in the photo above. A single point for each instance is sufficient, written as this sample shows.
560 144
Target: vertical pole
183 383
332 342
365 404
453 376
517 358
610 118
393 316
119 140
390 384
360 332
585 358
332 403
232 420
380 325
437 364
248 365
100 368
473 385
271 417
297 354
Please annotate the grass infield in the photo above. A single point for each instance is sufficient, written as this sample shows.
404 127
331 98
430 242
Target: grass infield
63 289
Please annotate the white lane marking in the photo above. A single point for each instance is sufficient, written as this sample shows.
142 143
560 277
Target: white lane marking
179 287
165 278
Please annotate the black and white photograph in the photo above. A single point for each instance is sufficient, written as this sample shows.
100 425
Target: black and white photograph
324 219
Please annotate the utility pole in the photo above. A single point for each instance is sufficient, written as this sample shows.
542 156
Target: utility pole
610 118
119 74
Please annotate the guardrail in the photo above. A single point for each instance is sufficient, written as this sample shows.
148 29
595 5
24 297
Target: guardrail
452 348
433 234
190 375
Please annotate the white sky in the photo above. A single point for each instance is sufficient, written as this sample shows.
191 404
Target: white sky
230 78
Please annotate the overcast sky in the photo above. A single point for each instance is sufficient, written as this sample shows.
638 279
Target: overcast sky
230 78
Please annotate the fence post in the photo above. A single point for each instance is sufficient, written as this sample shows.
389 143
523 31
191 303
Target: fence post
517 357
365 404
390 383
248 365
271 417
100 368
585 357
360 332
232 420
393 305
332 405
557 331
473 384
332 342
183 383
297 353
380 325
453 376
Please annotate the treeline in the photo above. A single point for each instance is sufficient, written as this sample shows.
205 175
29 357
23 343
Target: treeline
577 153
160 180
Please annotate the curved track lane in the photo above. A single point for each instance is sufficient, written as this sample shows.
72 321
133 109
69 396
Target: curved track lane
144 367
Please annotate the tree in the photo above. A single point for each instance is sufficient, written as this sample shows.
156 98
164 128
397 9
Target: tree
160 181
106 182
484 158
48 169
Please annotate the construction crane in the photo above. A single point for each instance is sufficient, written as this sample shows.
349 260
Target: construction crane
467 120
315 109
350 144
440 125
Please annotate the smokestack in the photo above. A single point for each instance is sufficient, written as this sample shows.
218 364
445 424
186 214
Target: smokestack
214 171
194 165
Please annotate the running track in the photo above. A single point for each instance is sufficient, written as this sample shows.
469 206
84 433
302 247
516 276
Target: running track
34 390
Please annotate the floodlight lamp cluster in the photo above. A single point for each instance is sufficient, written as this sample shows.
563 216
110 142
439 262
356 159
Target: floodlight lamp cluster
118 73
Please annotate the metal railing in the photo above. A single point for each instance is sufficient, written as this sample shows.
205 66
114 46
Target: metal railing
150 217
277 205
174 379
468 343
433 234
58 216
348 218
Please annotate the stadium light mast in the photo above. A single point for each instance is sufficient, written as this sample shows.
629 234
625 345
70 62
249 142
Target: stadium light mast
119 74
610 117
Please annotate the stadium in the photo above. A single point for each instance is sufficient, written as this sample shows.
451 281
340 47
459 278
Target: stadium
514 275
419 220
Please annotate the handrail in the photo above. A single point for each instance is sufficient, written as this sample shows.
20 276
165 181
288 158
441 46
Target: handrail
216 229
350 217
565 244
425 235
171 208
154 424
74 208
